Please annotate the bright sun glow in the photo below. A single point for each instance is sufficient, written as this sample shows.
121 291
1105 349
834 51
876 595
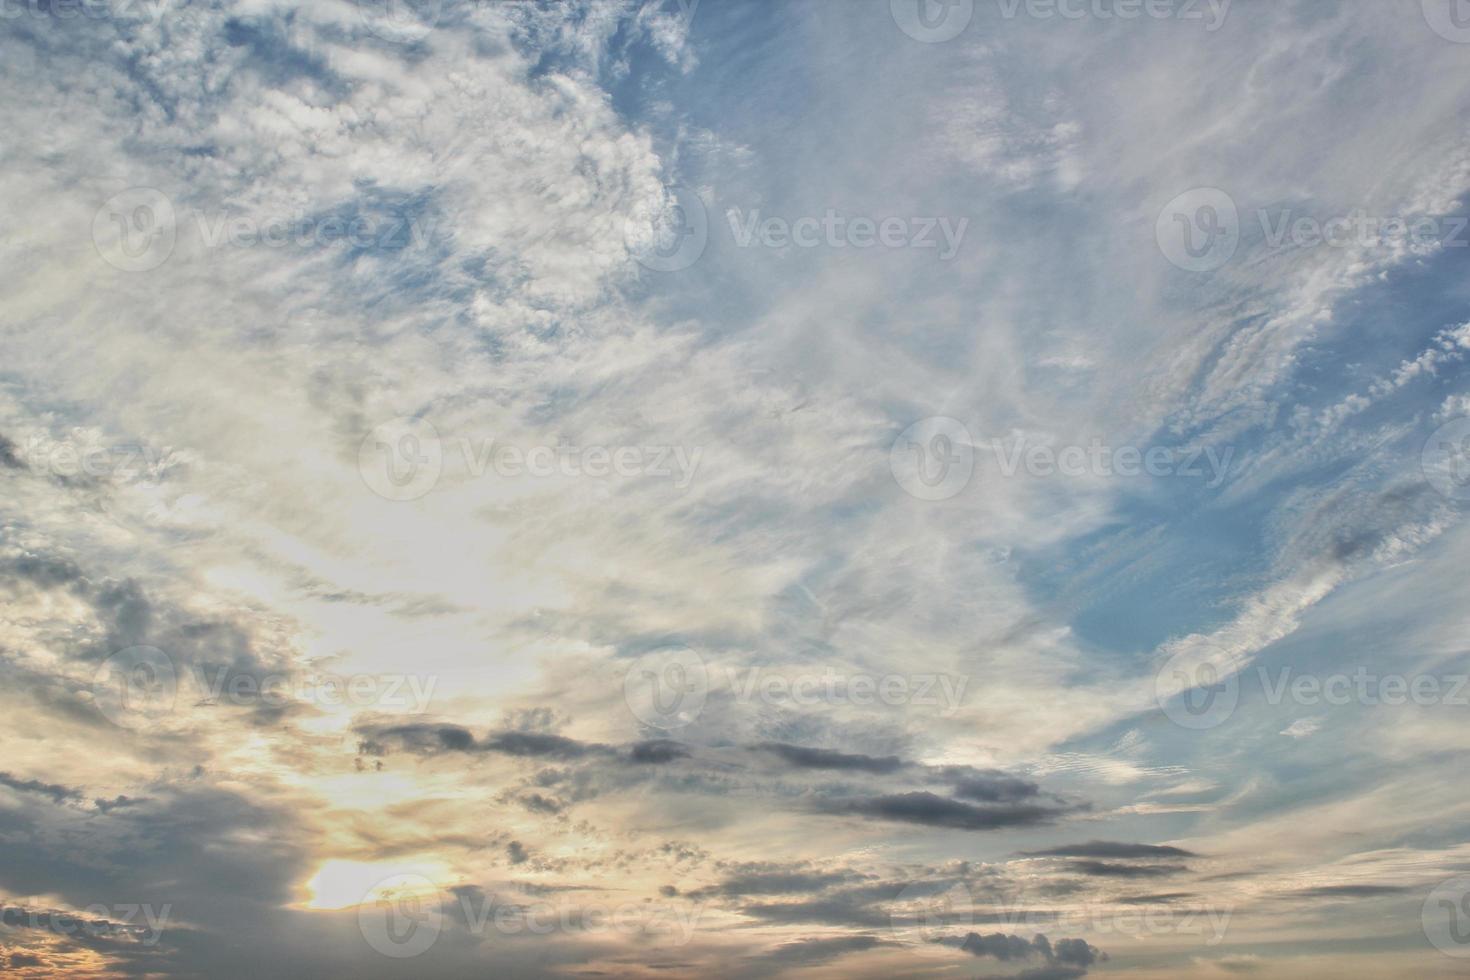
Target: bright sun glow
343 884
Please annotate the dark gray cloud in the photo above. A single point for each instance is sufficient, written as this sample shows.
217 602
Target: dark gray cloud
991 786
538 745
832 910
1112 849
432 739
1064 957
58 794
516 852
808 758
932 810
8 456
658 751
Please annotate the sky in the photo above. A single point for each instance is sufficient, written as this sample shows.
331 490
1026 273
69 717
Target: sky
683 488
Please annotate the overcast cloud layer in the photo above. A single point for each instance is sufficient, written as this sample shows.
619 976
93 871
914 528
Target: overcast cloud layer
660 488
